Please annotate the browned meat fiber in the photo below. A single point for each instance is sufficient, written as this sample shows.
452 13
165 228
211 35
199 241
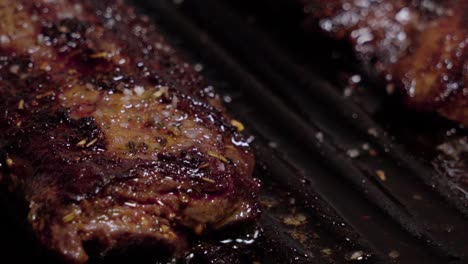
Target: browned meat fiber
418 46
108 136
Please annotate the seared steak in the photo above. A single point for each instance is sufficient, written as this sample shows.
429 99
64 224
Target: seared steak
419 47
108 136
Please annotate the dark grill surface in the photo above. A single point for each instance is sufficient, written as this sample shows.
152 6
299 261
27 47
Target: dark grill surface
346 178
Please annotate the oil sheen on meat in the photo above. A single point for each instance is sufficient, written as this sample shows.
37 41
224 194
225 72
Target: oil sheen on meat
108 136
418 46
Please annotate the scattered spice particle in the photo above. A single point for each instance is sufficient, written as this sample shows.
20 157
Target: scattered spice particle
9 162
347 92
21 104
158 94
144 222
295 220
299 236
204 165
417 196
356 78
208 180
163 90
198 229
390 89
198 67
292 201
373 132
169 141
230 147
218 156
272 144
381 175
227 99
4 39
240 127
319 136
353 153
139 90
394 254
99 55
365 146
268 202
81 143
46 94
183 198
15 69
69 217
372 153
171 215
164 228
19 124
327 251
89 86
92 142
357 255
45 67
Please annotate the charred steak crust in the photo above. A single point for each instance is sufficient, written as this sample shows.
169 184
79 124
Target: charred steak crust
419 47
108 135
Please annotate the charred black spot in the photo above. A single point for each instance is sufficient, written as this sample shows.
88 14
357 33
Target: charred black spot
155 79
132 148
36 81
68 34
15 67
87 127
192 157
110 81
166 156
136 147
70 39
56 122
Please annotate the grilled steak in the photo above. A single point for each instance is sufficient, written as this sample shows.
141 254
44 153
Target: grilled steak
108 136
419 47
